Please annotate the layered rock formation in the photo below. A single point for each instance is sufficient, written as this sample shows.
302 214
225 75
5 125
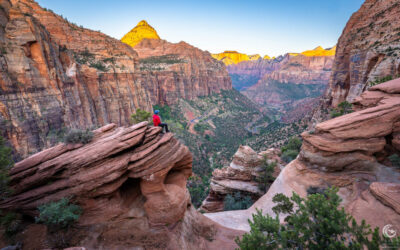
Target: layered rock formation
131 185
50 81
141 31
56 76
240 176
347 152
368 50
293 78
233 57
171 71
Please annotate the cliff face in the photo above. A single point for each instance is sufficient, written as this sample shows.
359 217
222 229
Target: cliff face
55 75
126 180
142 31
349 152
293 78
171 71
368 50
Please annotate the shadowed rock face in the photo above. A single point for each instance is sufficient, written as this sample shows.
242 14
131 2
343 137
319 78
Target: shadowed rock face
51 78
368 49
347 152
56 76
131 185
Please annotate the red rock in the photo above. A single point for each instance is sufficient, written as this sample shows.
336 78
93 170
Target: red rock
131 185
239 176
367 50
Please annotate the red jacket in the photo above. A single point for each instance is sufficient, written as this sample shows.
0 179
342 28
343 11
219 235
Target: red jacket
156 120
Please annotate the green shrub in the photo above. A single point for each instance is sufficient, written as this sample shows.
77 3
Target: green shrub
11 222
201 127
99 65
198 189
291 149
395 160
140 116
314 222
237 202
59 215
5 165
78 136
342 109
265 178
381 80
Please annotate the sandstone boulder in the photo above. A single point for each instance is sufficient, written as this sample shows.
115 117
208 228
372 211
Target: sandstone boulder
240 176
131 185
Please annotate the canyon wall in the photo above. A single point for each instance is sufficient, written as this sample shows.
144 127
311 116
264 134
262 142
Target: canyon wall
295 77
170 71
368 49
56 75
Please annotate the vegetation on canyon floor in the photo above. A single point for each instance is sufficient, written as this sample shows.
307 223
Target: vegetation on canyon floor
314 222
265 177
236 201
291 149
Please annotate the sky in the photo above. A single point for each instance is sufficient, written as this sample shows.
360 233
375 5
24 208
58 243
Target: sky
271 27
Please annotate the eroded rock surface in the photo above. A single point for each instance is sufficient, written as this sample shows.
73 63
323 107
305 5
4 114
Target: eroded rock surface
131 185
368 50
347 152
56 75
240 176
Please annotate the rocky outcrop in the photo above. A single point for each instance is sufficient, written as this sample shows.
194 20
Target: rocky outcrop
240 176
141 31
171 71
347 152
368 49
56 76
131 185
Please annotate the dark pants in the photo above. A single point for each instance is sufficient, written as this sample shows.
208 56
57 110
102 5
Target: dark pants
164 125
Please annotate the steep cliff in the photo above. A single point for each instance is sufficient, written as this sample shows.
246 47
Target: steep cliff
56 75
349 152
293 78
171 71
368 49
141 31
131 185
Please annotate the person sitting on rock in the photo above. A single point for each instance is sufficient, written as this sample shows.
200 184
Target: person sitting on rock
157 121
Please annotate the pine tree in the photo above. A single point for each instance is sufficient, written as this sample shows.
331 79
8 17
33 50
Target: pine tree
315 222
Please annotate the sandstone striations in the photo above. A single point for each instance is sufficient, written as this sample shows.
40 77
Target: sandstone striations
142 31
368 49
240 176
131 185
56 76
293 78
348 152
171 71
